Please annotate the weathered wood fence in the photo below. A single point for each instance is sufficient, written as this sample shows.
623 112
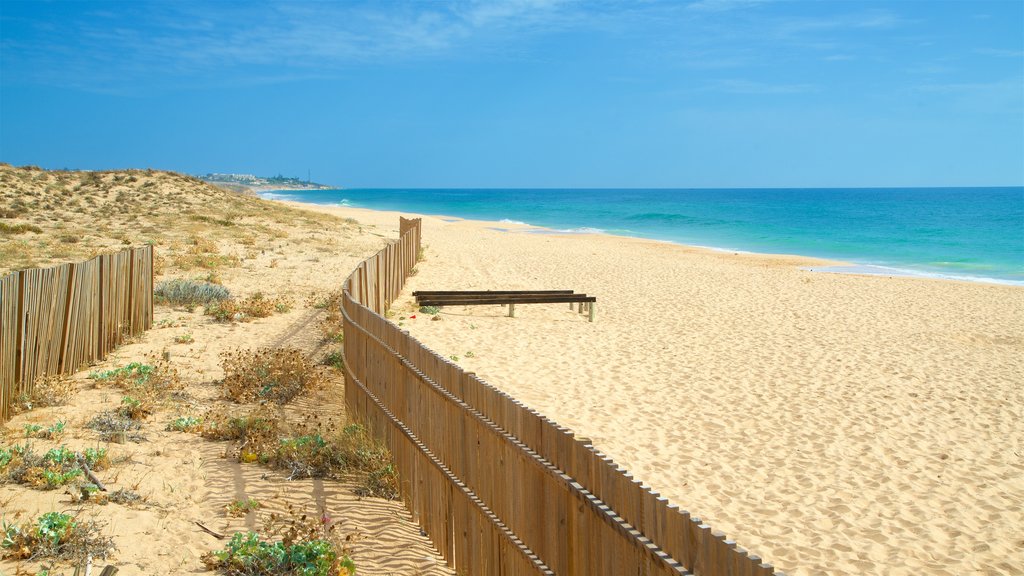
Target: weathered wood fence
499 488
53 320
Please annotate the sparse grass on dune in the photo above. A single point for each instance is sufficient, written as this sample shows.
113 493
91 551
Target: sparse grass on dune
54 216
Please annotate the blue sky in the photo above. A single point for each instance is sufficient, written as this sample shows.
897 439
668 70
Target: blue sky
532 93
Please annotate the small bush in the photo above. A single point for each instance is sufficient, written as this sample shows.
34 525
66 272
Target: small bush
335 359
6 228
184 424
55 468
277 374
255 306
179 292
247 555
184 339
116 426
53 432
242 507
306 451
432 310
144 383
50 390
55 535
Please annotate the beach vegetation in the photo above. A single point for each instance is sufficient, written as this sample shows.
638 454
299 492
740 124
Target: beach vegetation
276 374
242 507
52 432
306 449
335 359
298 553
116 426
189 293
56 468
184 339
6 228
145 386
255 306
56 536
432 310
184 424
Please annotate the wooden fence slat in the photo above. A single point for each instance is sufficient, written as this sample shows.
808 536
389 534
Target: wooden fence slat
52 320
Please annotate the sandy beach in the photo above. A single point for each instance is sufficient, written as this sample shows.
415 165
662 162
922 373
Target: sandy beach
834 424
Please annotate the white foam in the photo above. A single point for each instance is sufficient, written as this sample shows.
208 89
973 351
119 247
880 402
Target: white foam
876 270
276 196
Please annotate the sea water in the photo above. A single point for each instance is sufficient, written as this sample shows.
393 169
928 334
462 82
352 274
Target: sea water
958 233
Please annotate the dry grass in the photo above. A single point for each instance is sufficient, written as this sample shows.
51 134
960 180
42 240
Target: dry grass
276 374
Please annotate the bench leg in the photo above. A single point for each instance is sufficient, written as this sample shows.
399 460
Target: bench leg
591 306
511 310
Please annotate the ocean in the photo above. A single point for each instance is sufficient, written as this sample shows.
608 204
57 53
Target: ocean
974 234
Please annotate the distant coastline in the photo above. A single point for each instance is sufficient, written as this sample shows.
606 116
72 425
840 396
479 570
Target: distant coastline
250 184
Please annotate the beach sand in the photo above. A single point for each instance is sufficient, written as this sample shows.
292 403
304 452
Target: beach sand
833 424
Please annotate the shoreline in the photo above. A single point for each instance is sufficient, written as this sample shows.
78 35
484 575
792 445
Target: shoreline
815 264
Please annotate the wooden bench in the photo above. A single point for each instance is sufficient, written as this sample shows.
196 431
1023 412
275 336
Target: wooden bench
503 297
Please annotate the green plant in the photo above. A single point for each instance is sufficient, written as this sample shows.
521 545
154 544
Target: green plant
184 424
242 507
432 310
246 554
180 292
133 408
135 372
454 358
255 306
470 354
184 339
55 535
335 359
31 429
19 228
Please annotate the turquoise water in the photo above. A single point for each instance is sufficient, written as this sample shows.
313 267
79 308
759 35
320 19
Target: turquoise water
960 233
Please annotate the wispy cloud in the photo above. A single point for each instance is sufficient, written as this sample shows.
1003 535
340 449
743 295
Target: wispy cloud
154 42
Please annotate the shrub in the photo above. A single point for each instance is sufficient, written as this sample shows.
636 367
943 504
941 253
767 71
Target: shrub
255 306
55 468
277 374
145 384
247 555
180 292
115 426
55 535
50 390
19 228
433 310
52 432
242 507
306 451
335 359
184 424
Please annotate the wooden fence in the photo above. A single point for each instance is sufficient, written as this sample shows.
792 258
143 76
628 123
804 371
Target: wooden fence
54 320
499 488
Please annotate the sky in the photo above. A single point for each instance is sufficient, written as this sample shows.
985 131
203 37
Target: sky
524 93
